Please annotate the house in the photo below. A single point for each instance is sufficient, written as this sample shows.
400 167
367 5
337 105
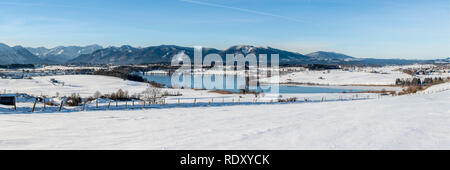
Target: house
16 76
8 100
54 80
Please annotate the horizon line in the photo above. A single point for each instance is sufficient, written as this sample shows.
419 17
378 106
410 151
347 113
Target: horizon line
140 47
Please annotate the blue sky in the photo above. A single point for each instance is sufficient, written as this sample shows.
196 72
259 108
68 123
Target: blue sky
364 28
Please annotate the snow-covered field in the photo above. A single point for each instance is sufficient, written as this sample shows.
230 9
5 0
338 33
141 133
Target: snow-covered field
405 122
339 77
85 85
419 121
367 76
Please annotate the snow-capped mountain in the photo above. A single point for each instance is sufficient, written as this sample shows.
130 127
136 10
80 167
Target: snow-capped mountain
62 54
17 55
130 55
286 57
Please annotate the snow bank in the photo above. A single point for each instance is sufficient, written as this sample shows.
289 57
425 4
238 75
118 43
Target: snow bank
405 122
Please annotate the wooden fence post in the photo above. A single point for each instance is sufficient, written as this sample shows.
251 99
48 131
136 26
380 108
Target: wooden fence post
126 105
109 104
61 105
117 103
15 103
44 103
34 105
84 105
96 103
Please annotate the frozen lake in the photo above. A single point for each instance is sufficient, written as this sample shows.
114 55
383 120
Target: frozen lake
239 82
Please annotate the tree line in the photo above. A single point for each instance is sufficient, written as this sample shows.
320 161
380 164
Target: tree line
122 72
419 82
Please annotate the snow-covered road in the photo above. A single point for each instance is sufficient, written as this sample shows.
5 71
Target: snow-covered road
406 122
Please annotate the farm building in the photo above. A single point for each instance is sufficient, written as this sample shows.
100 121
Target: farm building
7 100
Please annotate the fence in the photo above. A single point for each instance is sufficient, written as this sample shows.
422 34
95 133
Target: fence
40 104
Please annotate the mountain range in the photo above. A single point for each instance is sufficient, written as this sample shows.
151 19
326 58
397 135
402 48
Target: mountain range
125 55
17 55
62 54
164 54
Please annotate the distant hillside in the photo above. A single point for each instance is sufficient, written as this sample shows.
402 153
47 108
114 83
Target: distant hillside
63 54
332 57
446 60
374 61
322 55
17 55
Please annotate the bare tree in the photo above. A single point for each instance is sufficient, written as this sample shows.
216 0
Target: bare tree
97 95
151 93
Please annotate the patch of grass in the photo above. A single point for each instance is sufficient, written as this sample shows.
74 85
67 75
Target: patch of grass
412 89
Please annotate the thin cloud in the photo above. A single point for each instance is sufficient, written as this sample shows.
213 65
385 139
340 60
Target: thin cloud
242 10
